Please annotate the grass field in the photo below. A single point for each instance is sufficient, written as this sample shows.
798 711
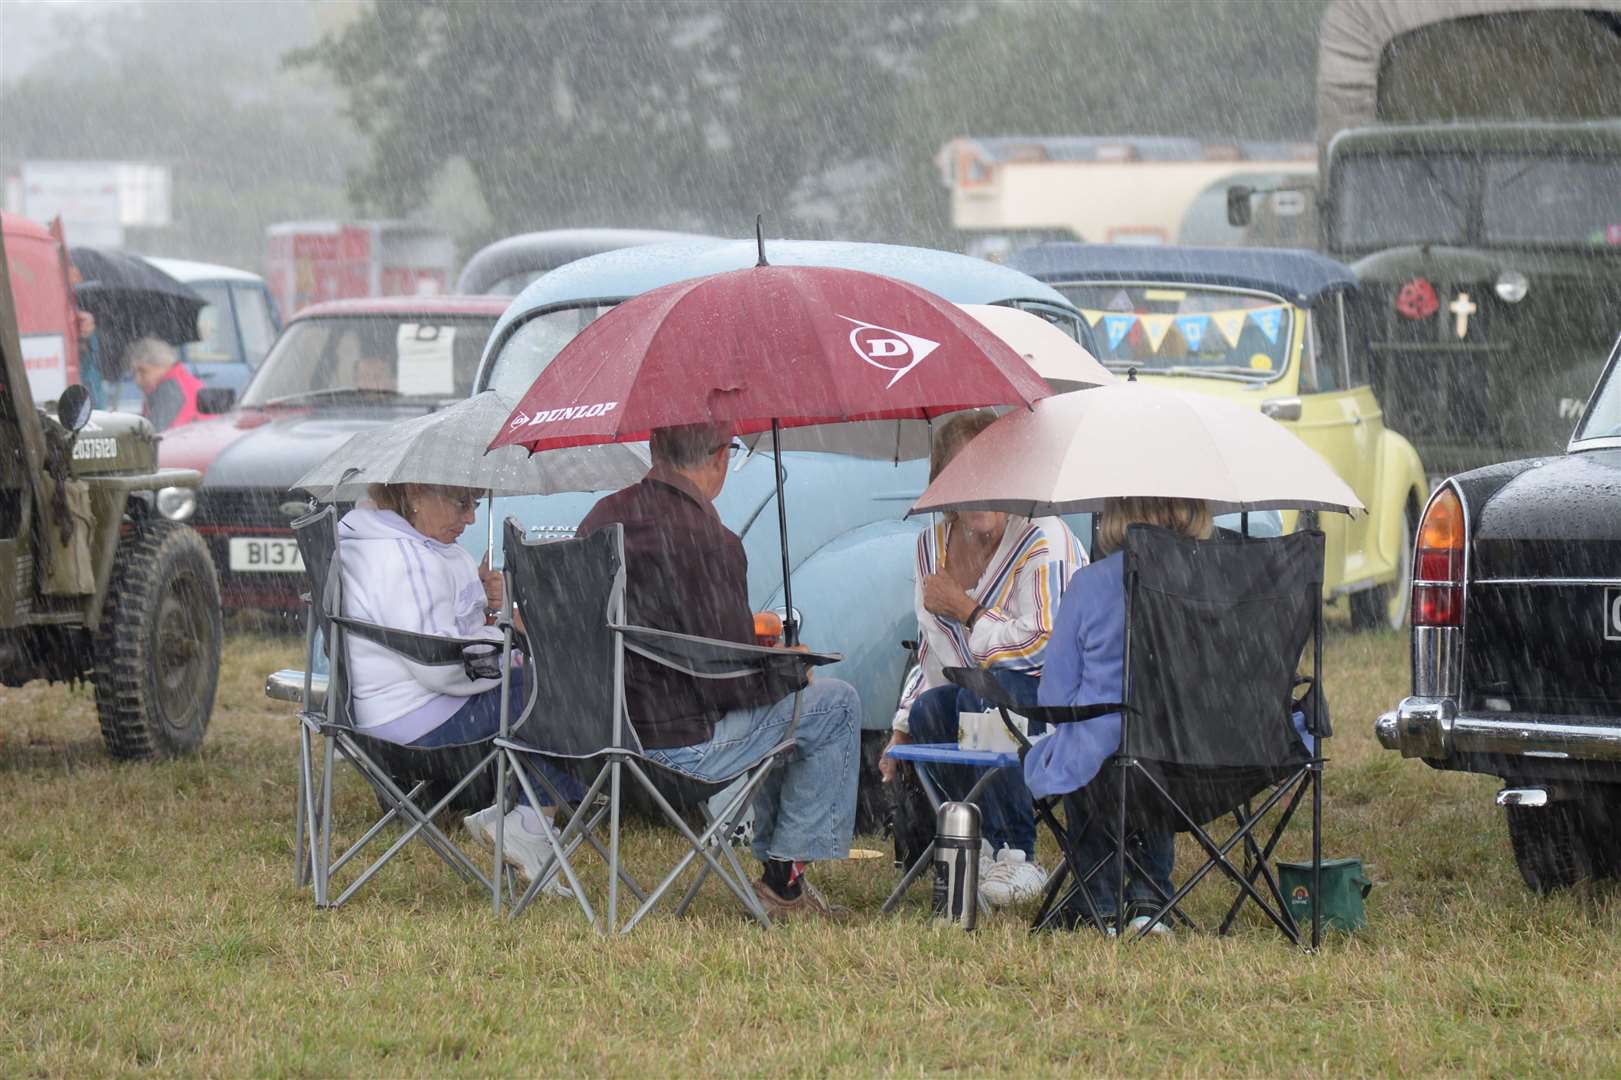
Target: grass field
148 923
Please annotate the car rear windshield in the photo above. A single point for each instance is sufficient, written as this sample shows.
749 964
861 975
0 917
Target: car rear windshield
1186 330
535 344
427 357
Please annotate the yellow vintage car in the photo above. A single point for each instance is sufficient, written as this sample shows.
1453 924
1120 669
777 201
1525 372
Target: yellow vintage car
1264 326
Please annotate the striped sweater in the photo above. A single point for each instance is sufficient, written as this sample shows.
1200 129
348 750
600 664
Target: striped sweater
1020 590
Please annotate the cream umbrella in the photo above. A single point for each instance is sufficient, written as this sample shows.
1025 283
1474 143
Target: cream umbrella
1059 359
1072 452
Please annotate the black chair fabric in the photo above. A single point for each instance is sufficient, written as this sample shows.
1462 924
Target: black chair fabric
1216 630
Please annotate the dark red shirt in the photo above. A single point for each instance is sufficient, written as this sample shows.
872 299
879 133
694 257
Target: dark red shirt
685 572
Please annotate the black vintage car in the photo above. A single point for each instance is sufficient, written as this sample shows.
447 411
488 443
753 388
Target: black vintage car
1516 616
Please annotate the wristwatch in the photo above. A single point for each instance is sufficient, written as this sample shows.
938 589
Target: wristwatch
973 616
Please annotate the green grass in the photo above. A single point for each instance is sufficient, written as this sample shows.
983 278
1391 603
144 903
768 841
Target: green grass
148 923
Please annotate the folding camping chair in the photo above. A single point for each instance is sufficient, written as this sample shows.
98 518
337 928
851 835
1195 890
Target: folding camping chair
1215 631
455 773
571 596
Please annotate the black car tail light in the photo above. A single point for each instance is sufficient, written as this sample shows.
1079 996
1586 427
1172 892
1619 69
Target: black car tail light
1438 569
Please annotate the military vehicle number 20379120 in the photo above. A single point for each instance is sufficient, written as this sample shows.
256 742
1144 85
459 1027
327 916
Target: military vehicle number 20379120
95 583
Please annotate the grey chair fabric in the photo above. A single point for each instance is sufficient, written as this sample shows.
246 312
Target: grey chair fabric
571 597
413 785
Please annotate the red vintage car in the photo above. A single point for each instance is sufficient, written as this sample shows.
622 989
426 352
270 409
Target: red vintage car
337 368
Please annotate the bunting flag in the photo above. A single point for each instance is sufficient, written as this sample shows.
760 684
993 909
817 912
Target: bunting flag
1155 326
1269 319
1116 327
1091 316
1192 328
1230 324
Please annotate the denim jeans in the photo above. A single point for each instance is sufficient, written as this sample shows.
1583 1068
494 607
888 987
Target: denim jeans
1007 813
1154 852
805 809
480 719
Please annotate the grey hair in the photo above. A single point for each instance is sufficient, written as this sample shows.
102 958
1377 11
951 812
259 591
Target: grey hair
150 352
688 445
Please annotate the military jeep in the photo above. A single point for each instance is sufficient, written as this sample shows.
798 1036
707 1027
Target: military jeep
95 583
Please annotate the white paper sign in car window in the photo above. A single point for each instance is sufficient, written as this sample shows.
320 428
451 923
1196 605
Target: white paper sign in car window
426 366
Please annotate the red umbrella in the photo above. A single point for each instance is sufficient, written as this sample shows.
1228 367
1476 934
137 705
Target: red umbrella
763 348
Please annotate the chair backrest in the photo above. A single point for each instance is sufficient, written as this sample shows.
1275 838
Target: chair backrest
569 593
317 537
1215 633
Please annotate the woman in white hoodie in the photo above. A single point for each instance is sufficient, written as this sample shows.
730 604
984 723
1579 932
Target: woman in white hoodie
402 568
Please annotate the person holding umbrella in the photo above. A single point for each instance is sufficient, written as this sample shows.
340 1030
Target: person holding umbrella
170 389
686 572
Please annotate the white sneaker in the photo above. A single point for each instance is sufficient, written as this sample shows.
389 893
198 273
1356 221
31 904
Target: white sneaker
1161 928
523 847
1011 878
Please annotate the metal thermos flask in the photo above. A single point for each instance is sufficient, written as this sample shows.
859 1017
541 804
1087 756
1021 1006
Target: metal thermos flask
956 864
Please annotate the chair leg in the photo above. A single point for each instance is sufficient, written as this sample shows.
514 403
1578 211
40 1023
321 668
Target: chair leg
699 848
1125 766
324 861
572 836
1317 850
1262 859
558 854
304 826
615 783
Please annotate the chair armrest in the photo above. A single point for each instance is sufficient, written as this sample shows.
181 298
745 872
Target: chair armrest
422 648
288 685
711 658
983 685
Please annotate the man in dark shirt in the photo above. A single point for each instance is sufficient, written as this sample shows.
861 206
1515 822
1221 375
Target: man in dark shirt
686 572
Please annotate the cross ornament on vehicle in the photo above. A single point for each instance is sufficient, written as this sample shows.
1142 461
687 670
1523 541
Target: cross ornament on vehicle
1461 307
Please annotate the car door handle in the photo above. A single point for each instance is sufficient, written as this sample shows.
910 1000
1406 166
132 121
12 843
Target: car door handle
1356 419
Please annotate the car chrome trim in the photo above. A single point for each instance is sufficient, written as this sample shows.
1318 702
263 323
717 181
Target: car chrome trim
1600 441
1523 797
1437 655
1432 728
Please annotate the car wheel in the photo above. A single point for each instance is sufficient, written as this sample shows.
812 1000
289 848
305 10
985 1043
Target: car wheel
1550 845
157 652
1385 607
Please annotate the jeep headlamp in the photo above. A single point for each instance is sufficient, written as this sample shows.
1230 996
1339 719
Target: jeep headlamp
1512 286
177 503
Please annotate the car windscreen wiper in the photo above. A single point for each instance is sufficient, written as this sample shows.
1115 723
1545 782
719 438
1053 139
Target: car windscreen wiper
1231 374
332 392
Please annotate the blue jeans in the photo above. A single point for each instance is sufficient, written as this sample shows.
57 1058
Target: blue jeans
480 720
1154 852
805 809
1007 812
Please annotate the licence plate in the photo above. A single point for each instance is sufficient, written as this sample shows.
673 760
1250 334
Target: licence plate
1612 613
265 555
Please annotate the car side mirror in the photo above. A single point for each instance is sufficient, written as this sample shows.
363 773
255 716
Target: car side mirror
1238 205
214 400
73 407
1281 408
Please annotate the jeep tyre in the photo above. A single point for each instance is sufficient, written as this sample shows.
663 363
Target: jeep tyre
157 652
1551 845
1385 606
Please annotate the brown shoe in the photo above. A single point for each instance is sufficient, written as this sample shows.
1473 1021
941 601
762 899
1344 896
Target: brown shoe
809 903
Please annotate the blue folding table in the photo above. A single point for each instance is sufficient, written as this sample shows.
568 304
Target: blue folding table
922 755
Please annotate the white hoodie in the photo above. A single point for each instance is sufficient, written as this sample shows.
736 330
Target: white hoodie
396 577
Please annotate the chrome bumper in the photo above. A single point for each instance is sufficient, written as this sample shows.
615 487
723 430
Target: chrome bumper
288 685
1433 728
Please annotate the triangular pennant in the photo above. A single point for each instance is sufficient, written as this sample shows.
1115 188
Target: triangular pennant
1121 301
1269 319
1192 328
1091 316
1116 327
1231 324
1156 327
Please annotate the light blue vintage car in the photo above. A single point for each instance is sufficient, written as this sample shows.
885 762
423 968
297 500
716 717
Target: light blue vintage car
851 550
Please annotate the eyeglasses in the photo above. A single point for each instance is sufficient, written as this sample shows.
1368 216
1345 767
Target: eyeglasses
731 447
463 503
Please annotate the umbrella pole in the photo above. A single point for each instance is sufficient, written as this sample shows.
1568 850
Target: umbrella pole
790 623
489 540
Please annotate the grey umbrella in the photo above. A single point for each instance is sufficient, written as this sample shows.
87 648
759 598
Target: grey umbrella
447 448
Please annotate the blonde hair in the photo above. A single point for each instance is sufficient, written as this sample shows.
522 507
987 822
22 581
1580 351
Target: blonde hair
388 497
955 434
1190 517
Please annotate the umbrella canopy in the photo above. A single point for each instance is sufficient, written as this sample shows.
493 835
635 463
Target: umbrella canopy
1075 451
447 448
1062 362
130 299
1058 358
786 344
